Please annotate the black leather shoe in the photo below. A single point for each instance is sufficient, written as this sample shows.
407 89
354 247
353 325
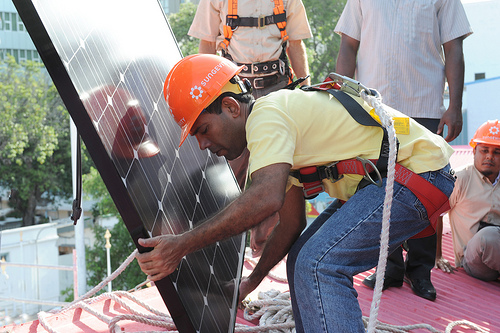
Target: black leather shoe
370 280
422 288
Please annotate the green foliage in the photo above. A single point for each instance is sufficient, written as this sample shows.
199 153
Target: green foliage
121 247
94 187
180 23
35 154
121 242
323 47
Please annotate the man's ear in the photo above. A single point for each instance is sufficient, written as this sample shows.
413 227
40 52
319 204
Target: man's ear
231 105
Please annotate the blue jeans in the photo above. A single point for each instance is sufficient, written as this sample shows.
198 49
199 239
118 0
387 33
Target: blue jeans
344 241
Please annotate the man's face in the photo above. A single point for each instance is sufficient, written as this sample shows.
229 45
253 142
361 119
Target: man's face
487 160
223 134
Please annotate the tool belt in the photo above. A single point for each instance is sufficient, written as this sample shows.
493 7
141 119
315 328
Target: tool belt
433 199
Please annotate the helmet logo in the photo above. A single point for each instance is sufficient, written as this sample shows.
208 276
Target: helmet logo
494 130
196 92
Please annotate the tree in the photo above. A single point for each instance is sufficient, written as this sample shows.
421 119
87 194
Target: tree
180 23
323 47
121 241
35 154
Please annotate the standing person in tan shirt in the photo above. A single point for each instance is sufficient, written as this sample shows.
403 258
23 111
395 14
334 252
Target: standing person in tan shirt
266 37
475 209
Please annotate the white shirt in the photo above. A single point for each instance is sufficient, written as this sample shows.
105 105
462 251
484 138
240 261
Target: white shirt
400 51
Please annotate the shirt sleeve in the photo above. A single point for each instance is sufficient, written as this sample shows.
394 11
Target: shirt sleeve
453 22
350 21
462 176
297 25
207 21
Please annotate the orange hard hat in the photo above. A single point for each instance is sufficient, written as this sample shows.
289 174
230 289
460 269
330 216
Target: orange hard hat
194 83
488 133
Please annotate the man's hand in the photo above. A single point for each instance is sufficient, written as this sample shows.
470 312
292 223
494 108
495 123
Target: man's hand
163 259
444 265
246 287
453 119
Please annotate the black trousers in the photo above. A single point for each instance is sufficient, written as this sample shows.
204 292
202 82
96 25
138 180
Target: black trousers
420 252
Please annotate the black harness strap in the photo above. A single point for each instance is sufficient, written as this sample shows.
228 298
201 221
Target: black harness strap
362 117
235 21
77 203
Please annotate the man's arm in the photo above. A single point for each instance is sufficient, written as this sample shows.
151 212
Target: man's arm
207 47
441 262
346 59
292 222
454 70
298 59
263 198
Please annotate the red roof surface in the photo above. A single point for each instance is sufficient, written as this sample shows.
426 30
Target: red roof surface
459 297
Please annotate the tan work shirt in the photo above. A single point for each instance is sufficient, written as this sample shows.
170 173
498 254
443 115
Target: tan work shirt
474 199
250 44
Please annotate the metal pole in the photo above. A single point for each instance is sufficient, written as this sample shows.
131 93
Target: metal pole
107 235
75 277
80 226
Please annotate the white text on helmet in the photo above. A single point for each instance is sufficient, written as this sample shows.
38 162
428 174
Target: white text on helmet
211 74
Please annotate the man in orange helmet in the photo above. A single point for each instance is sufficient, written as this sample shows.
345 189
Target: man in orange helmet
475 208
290 133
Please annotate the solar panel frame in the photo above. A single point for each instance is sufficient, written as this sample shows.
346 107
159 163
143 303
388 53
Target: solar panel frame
201 295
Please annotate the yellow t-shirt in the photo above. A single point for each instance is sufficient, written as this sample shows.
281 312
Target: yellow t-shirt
312 128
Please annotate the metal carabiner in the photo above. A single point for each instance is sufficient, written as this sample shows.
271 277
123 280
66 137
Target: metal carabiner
367 176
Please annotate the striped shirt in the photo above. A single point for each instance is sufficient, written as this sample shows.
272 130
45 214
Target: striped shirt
400 51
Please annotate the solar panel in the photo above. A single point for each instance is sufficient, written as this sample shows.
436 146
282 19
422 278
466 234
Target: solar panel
108 60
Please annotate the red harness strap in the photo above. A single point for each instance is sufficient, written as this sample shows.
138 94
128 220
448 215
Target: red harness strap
433 199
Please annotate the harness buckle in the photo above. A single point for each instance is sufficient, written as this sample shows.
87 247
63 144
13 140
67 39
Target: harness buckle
367 176
261 22
258 83
351 86
313 189
332 173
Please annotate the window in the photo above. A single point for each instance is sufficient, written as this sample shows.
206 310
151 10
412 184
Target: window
479 76
22 55
13 17
20 25
7 22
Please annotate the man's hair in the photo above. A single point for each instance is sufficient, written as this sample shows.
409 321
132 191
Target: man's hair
216 106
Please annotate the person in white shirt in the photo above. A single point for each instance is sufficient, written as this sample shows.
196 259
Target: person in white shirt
406 50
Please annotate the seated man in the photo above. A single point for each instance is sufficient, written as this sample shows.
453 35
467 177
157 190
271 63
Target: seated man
475 209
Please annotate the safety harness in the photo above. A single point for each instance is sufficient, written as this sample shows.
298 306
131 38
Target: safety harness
233 21
433 199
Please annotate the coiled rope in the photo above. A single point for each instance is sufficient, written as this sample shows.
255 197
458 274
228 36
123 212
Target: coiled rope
273 309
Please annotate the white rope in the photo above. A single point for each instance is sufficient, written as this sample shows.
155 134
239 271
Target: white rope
388 123
275 312
272 308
